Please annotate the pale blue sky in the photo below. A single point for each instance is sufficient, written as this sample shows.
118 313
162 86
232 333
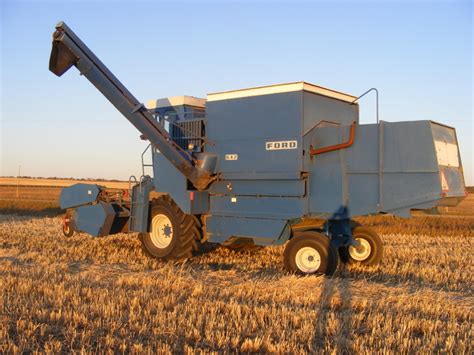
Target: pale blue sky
418 54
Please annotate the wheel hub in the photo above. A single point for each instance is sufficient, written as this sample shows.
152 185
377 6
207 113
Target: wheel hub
161 231
362 251
308 260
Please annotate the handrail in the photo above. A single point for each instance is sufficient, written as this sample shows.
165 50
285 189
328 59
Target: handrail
320 122
143 159
336 146
376 100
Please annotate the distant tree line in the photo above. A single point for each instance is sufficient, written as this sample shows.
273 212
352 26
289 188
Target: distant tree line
63 178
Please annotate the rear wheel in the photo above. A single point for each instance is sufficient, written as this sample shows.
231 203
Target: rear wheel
172 234
309 253
368 252
68 227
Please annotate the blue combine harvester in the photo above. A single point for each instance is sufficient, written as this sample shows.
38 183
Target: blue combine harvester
269 165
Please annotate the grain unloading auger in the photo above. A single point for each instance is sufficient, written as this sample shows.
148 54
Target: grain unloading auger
262 166
69 50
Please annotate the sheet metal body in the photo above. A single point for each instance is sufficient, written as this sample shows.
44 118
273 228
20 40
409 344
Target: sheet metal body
77 195
391 168
93 213
265 187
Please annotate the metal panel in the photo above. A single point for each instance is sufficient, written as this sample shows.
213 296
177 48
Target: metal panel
243 126
257 207
446 145
363 194
168 179
409 147
391 167
140 205
77 195
253 157
292 188
90 219
317 108
443 133
285 175
403 190
453 182
280 88
363 156
325 187
447 154
262 231
96 220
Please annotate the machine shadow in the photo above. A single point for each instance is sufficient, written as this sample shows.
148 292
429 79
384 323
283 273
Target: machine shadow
341 341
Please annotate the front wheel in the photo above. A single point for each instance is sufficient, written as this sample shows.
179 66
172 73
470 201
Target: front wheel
310 253
172 234
368 252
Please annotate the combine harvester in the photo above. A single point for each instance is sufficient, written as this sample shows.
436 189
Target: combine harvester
269 165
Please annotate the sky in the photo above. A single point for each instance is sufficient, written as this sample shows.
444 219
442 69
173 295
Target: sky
417 54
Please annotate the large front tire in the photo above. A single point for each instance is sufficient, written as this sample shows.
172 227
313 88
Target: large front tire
172 235
370 249
310 253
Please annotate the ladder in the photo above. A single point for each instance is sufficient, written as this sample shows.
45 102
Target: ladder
139 203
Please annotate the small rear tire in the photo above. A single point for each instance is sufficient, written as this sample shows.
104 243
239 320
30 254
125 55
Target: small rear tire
172 235
68 228
309 253
370 249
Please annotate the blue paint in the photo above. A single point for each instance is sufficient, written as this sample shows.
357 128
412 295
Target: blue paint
169 180
139 205
90 219
262 231
77 195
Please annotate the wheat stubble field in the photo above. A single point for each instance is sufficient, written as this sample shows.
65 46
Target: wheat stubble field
105 295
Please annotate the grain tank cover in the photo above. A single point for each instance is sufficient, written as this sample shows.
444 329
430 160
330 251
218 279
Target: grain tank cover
259 131
176 101
280 88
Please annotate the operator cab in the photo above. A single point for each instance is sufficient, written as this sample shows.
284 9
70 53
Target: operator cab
183 118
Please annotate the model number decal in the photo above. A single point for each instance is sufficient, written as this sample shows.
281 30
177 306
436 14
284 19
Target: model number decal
231 157
280 145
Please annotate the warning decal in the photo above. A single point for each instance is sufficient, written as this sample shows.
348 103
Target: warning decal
444 183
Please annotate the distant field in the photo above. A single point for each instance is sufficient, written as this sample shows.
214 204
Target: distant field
39 195
60 182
